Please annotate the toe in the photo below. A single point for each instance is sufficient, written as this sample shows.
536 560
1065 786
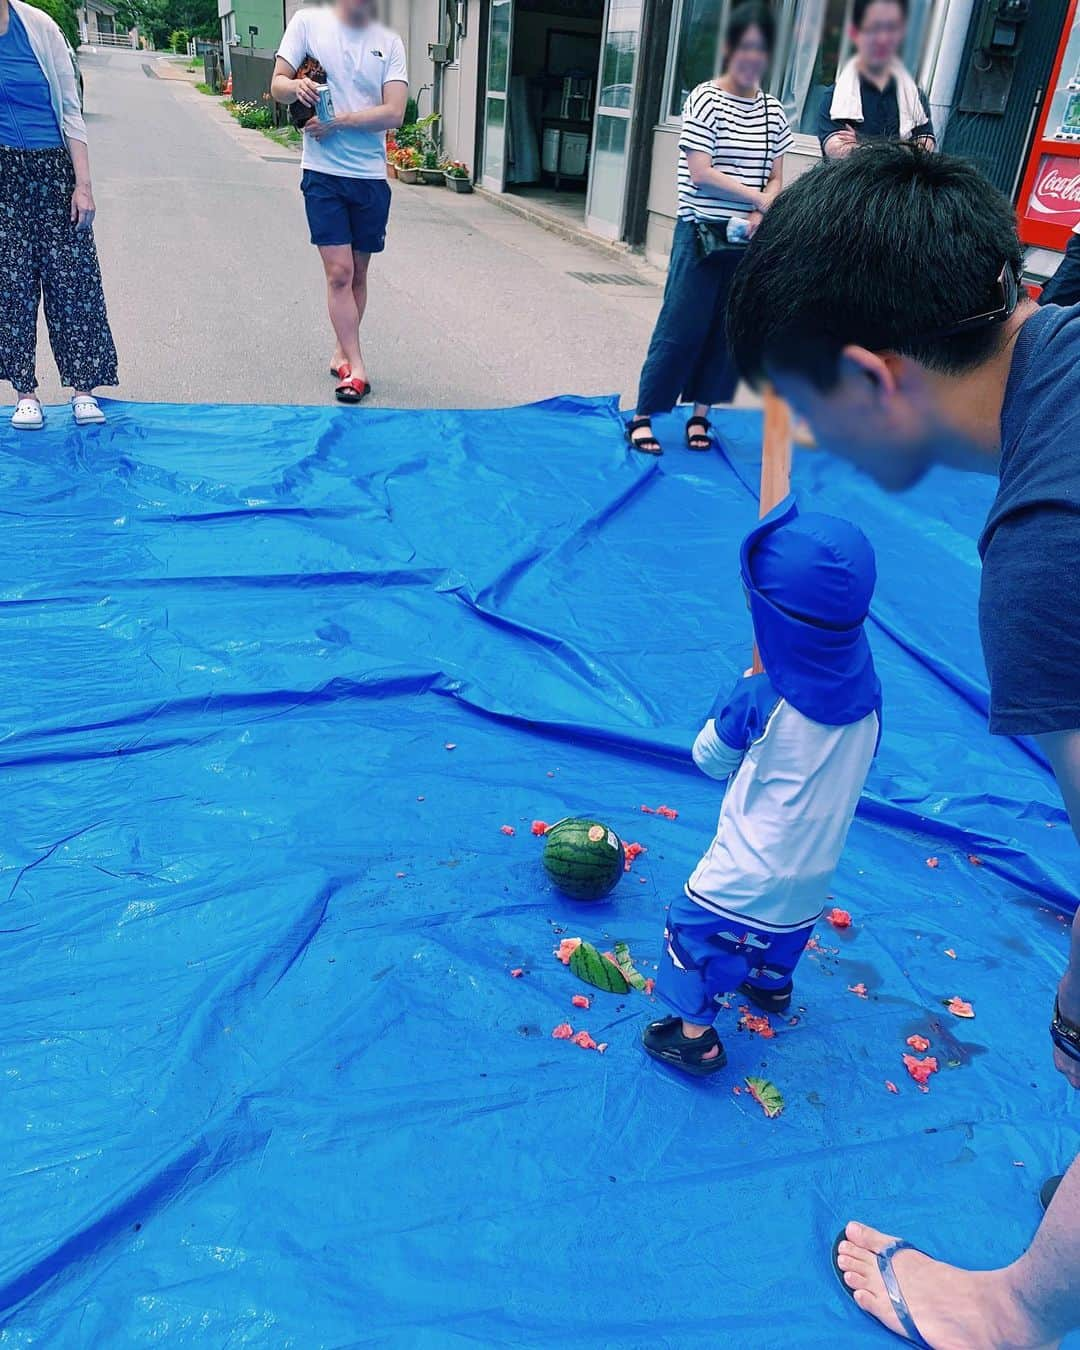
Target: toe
869 1239
877 1305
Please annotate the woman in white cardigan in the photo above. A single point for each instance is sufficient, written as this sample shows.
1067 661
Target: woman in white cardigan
46 217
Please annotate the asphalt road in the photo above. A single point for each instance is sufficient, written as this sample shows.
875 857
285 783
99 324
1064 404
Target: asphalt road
215 294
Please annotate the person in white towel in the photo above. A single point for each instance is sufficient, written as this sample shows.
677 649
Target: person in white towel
874 97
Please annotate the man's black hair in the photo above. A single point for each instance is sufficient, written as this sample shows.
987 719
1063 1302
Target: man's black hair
876 250
858 11
747 16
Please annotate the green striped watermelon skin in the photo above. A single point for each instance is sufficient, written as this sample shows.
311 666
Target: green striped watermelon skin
583 858
589 965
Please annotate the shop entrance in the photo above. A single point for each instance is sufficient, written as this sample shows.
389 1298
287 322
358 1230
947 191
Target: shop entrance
558 100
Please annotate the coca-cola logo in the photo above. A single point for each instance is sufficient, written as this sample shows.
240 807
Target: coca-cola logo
1057 189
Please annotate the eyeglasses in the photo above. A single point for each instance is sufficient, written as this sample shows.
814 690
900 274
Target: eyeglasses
1008 286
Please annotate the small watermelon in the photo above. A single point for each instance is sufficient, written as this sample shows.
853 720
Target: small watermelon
588 965
583 858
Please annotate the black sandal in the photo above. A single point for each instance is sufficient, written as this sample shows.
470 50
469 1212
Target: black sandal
769 1000
352 390
699 440
665 1042
648 445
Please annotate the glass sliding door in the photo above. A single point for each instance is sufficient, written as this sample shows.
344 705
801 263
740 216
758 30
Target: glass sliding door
496 113
606 203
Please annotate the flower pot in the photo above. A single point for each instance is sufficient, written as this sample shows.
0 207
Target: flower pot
408 175
458 184
433 177
391 171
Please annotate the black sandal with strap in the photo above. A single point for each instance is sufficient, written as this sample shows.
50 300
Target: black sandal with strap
648 445
664 1041
699 440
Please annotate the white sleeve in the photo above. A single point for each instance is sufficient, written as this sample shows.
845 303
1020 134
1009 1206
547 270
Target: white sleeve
74 128
396 69
293 45
713 755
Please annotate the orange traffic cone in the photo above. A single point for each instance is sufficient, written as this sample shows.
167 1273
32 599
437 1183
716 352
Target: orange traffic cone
227 91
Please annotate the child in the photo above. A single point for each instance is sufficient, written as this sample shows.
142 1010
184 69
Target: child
796 745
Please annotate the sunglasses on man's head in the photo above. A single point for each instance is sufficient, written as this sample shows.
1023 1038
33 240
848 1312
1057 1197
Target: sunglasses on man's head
1008 287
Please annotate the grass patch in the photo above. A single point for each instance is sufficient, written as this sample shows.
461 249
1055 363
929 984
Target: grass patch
203 87
287 136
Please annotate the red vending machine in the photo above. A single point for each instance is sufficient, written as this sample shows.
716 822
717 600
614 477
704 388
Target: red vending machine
1049 206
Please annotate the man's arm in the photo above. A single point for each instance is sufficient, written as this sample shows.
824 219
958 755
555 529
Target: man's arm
923 135
1063 751
384 116
837 139
286 88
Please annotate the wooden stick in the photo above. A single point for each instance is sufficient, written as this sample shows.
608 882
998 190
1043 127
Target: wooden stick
775 465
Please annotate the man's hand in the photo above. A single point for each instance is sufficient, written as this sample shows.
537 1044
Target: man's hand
841 143
83 209
307 91
320 130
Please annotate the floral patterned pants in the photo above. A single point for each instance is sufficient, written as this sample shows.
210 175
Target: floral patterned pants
42 255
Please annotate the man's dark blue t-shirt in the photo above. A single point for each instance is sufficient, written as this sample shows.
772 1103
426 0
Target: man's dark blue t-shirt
881 115
1029 610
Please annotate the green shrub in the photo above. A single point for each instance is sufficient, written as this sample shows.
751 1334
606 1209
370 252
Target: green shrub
178 41
254 116
412 112
63 15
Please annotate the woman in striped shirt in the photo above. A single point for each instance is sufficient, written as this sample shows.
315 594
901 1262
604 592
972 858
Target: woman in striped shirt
731 151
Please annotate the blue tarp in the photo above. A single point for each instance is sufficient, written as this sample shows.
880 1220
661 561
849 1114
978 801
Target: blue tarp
268 1080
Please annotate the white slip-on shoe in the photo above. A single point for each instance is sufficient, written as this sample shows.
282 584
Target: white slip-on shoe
85 410
28 415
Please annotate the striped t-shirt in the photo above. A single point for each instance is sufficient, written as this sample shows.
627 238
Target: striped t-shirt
742 136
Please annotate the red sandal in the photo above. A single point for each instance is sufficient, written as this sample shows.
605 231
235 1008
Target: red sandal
341 372
352 390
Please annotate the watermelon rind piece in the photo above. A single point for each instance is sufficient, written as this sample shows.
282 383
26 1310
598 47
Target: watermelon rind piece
767 1095
634 978
589 965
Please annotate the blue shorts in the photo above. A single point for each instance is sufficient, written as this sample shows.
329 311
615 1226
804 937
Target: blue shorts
351 211
707 956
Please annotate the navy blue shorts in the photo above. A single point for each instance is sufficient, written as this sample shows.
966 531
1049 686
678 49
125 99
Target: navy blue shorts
351 211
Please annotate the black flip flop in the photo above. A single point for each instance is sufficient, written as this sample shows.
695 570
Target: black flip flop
644 445
1048 1191
664 1042
705 434
911 1332
776 1001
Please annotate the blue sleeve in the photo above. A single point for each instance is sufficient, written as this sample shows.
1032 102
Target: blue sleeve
736 721
826 127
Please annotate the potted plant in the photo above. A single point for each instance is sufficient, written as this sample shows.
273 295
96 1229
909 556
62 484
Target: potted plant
457 176
431 170
407 161
391 152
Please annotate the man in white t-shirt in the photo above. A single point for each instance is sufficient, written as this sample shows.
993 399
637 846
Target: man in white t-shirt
346 194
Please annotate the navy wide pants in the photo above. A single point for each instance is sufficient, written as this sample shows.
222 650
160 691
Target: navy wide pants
688 356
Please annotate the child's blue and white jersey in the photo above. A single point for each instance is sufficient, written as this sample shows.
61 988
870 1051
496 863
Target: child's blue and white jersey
794 787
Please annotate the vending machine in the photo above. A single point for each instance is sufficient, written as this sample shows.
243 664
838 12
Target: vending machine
1049 203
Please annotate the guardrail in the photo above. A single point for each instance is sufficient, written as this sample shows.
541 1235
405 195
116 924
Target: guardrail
123 40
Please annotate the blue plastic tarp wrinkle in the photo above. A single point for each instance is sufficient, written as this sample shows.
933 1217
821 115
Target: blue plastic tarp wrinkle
278 677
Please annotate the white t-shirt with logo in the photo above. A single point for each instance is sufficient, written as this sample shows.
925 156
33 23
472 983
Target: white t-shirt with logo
358 62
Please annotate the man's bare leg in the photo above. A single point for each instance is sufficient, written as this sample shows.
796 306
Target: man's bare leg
361 262
337 261
1031 1304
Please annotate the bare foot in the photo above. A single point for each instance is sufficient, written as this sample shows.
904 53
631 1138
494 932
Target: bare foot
954 1309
